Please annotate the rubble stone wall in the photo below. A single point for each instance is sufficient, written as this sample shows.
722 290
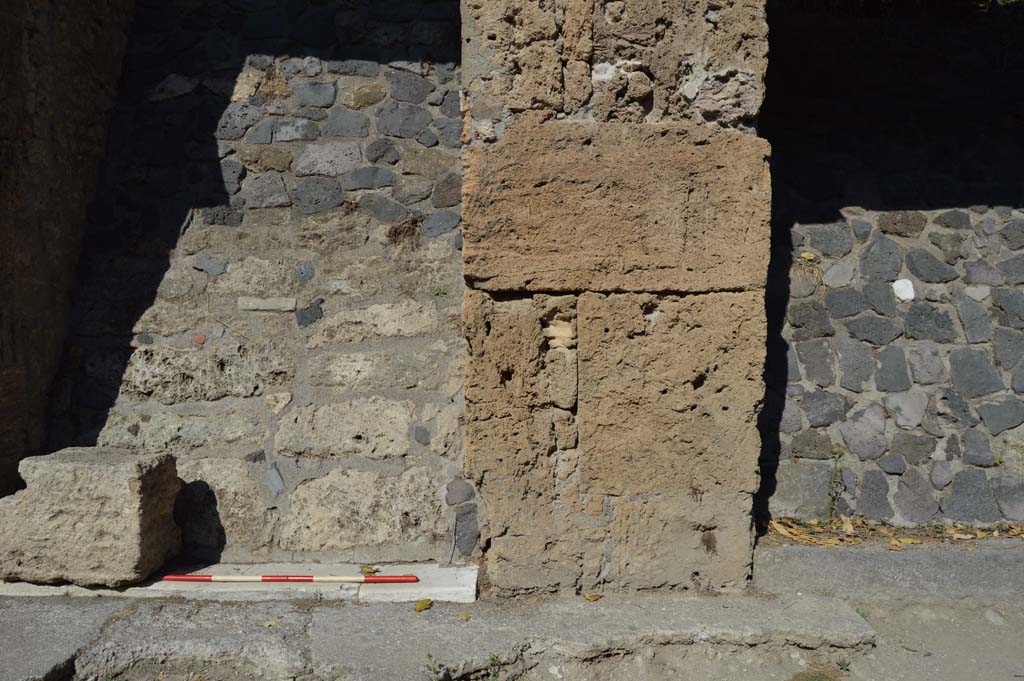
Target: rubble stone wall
60 63
896 383
271 282
616 223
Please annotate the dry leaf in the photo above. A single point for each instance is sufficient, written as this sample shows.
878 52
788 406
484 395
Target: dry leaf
895 545
464 616
847 524
959 535
369 570
908 540
593 597
808 256
980 534
425 604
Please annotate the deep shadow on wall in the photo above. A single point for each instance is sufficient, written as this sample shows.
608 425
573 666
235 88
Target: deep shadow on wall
885 106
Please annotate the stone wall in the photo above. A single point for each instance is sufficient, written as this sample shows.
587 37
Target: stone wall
616 222
60 63
896 288
271 282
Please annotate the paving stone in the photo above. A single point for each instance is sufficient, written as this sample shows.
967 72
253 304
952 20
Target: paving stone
1009 493
856 363
928 268
914 499
811 444
907 409
874 330
317 194
803 280
916 449
382 151
290 130
458 491
864 433
951 245
981 272
122 506
873 499
1002 414
802 490
1010 307
266 190
861 228
233 172
467 531
892 464
331 158
881 259
902 223
973 373
971 498
441 221
926 365
402 120
941 474
892 374
314 94
823 408
845 302
833 241
951 406
977 450
954 219
974 318
236 119
1013 234
368 177
1013 269
346 123
925 321
838 275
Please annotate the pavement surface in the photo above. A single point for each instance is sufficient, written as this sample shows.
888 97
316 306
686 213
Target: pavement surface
812 614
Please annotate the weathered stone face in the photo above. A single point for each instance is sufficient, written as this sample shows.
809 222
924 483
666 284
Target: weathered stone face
91 517
667 207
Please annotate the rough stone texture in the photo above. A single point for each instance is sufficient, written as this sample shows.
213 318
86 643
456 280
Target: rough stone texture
529 195
90 516
258 293
595 503
60 64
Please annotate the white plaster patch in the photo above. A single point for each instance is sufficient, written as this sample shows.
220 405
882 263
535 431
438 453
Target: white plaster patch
904 290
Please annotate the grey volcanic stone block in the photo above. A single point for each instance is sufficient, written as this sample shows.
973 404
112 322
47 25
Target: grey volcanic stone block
861 228
974 318
802 490
91 516
916 449
981 272
810 320
856 362
893 464
927 267
973 373
892 375
1009 347
402 120
408 87
977 450
1013 234
864 433
907 408
951 245
817 359
833 241
874 330
1010 304
845 302
954 219
971 498
880 297
926 365
345 123
1002 414
873 500
823 408
1013 269
467 530
1009 494
913 498
881 259
813 443
927 322
458 491
941 474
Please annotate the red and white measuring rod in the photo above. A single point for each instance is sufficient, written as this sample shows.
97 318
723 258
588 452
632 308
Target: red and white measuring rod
357 579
